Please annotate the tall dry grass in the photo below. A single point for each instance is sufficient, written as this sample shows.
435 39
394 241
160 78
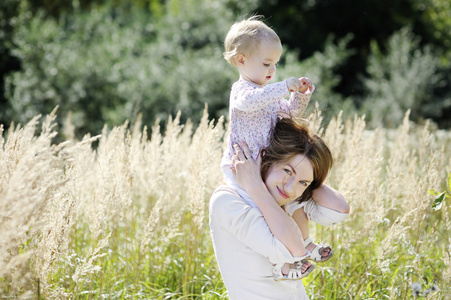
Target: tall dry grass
128 218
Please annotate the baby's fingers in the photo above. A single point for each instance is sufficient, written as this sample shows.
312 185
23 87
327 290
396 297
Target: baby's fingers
306 82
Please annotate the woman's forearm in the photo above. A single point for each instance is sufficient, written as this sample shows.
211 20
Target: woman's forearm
283 227
247 175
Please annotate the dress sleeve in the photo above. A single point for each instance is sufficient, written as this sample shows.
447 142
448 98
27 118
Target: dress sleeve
247 97
248 225
297 104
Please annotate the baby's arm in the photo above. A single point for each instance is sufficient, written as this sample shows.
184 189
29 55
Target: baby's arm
331 209
299 99
327 207
301 85
247 97
329 197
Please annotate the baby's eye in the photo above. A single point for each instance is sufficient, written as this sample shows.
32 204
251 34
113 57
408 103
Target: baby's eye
266 65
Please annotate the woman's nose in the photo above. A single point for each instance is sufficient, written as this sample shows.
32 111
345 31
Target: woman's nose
290 188
293 189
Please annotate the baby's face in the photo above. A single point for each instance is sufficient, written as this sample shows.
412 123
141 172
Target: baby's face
260 67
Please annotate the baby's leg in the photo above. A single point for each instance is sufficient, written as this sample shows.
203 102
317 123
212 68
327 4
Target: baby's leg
286 268
302 220
330 198
305 267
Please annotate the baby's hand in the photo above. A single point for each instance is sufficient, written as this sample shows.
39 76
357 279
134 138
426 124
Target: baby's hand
305 85
293 84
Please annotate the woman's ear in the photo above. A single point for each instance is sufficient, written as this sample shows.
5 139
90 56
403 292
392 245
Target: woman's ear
239 59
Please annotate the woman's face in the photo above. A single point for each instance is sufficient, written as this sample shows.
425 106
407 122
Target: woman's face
287 181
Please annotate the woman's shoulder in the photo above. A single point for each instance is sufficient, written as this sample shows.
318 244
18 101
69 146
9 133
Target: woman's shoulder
224 188
227 207
224 191
224 197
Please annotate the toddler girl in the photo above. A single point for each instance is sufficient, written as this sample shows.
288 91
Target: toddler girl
255 49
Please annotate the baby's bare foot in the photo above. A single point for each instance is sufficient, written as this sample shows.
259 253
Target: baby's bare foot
305 266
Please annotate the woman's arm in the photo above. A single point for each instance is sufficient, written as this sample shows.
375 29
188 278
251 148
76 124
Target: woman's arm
283 227
229 212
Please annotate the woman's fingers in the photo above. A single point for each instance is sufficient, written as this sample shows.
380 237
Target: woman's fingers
246 150
235 159
242 154
259 158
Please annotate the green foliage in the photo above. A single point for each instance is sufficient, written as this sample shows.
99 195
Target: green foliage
111 60
320 68
399 80
110 65
438 16
9 10
440 197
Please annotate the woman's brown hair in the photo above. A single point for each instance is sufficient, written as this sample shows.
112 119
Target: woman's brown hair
289 139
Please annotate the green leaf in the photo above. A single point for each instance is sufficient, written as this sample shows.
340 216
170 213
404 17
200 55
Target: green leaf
438 201
432 192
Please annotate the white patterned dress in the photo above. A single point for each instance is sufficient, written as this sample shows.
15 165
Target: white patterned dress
253 112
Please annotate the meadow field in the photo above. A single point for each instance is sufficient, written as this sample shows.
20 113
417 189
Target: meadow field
124 214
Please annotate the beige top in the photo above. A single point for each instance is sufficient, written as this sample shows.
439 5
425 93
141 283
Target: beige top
246 249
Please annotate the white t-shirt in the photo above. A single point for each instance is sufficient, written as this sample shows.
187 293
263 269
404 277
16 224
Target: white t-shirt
246 249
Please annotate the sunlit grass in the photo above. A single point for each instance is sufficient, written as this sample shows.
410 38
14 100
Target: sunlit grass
129 219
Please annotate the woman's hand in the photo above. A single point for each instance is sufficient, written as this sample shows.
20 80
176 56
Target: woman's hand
245 169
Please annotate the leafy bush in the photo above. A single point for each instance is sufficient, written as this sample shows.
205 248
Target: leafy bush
320 68
399 80
109 65
103 67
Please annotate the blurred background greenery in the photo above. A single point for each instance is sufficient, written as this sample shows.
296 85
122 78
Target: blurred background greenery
107 61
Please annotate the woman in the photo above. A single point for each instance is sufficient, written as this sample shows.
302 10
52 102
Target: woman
244 234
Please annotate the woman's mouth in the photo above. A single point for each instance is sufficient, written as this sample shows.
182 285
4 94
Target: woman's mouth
282 193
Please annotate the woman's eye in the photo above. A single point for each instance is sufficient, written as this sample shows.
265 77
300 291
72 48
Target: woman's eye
287 171
303 183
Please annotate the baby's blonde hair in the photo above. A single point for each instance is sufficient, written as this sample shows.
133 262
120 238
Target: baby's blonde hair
245 36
